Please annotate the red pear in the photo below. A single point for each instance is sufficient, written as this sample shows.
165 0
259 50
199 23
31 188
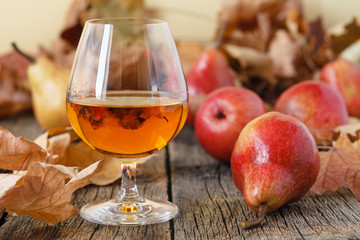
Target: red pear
316 104
222 116
345 77
275 161
210 71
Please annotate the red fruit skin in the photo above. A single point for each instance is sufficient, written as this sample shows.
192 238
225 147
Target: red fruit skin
210 72
221 117
316 104
275 161
344 76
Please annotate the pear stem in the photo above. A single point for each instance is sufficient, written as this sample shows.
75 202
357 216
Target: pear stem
220 38
257 221
28 57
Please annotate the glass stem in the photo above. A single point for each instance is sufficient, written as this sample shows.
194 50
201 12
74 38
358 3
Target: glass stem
128 192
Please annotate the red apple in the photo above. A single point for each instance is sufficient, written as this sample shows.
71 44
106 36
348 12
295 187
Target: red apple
345 77
210 71
222 116
316 104
275 161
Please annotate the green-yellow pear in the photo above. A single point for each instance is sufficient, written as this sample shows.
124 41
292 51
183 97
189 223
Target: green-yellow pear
48 84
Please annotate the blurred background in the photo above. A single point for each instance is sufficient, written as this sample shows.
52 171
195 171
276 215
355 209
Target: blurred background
35 22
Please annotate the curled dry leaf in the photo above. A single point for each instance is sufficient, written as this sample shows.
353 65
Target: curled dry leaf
284 53
45 191
19 153
244 12
79 154
349 33
51 175
340 167
256 38
252 62
351 130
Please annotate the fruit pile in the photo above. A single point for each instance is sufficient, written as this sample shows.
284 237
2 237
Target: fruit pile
309 90
269 59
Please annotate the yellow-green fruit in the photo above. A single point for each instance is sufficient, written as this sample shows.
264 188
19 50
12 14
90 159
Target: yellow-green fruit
48 84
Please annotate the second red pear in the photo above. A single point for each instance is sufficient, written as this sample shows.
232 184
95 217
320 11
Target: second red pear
210 71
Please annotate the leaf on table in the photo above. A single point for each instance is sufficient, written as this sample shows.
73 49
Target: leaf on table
351 130
19 153
52 174
15 91
80 155
45 191
340 167
284 53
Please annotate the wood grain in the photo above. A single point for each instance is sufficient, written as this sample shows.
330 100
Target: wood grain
212 207
152 183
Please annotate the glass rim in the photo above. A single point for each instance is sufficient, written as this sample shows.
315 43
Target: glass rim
126 21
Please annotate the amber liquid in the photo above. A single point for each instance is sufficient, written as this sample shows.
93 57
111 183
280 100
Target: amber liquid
127 125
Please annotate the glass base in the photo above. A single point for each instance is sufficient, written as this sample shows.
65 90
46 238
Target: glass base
140 213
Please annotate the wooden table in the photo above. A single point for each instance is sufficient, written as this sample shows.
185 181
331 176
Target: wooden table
210 205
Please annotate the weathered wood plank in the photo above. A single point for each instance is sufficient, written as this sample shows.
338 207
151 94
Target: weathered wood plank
23 125
152 184
212 207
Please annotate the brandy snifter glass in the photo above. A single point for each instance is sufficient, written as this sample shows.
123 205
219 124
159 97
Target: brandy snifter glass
127 98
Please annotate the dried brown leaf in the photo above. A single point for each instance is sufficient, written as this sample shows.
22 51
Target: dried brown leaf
284 53
350 33
253 63
82 10
244 12
19 153
80 155
45 191
351 130
340 167
256 38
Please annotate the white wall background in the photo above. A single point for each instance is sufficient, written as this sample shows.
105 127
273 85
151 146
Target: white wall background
34 22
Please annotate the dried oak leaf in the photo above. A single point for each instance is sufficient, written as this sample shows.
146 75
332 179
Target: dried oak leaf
340 167
63 151
252 62
349 34
45 191
243 13
82 10
352 130
79 154
284 53
18 153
